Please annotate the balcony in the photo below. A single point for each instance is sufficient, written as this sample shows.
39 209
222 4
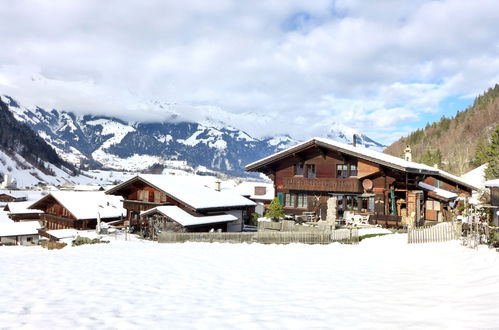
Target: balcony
351 185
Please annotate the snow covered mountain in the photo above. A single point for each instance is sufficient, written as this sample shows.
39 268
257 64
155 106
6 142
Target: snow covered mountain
342 133
174 142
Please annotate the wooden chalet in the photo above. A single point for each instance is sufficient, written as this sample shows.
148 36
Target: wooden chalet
78 210
148 191
20 211
12 196
360 180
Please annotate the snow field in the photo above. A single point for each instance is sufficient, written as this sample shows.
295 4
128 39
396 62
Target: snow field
381 283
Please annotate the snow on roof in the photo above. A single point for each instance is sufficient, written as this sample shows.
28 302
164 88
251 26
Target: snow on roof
367 154
71 233
19 228
14 193
21 208
190 191
88 187
440 192
492 183
477 176
247 188
185 219
86 204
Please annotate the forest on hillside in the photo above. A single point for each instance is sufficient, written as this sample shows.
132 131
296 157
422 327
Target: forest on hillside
451 143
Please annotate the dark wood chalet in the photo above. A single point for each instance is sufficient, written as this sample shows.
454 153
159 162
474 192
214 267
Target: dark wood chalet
20 211
9 197
147 191
78 210
361 180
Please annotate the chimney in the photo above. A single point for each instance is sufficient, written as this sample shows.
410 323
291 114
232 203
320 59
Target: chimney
408 154
218 185
355 140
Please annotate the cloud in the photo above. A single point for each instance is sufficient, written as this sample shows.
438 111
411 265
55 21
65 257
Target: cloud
371 66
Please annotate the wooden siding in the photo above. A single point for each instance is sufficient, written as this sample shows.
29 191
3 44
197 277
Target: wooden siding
366 168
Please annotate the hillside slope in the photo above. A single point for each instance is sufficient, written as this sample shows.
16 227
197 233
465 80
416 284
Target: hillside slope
454 138
23 154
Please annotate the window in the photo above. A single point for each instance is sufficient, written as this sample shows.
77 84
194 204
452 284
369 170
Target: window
290 200
353 169
432 205
299 169
310 171
143 195
302 201
341 171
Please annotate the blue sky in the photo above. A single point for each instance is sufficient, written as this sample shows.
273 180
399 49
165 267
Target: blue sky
382 67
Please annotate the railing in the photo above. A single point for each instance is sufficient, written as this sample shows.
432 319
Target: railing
53 220
323 184
441 232
325 237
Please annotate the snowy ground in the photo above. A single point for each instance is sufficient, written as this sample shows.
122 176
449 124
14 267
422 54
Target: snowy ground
381 283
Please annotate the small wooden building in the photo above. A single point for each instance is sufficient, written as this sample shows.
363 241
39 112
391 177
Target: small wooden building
9 196
175 219
147 191
78 210
359 180
20 211
493 185
23 233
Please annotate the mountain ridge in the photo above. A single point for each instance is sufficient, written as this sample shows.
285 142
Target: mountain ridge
451 142
90 141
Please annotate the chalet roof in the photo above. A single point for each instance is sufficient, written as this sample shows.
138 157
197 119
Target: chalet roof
86 204
19 228
492 183
438 191
13 193
189 191
247 188
186 219
21 208
362 153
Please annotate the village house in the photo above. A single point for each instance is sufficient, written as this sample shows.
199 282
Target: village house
78 210
22 233
261 193
189 199
20 211
8 196
493 185
361 181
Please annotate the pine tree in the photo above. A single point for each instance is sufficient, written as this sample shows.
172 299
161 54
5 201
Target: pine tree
275 210
492 156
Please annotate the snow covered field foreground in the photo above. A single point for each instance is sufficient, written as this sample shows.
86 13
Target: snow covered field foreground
381 283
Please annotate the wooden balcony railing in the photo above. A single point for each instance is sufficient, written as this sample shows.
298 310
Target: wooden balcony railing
351 185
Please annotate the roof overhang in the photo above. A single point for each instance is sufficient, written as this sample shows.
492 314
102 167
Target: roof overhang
260 164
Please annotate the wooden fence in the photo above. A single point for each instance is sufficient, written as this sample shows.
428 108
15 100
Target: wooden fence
350 236
289 225
442 232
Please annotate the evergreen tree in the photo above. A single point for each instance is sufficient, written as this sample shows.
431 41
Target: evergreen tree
275 210
488 152
431 158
